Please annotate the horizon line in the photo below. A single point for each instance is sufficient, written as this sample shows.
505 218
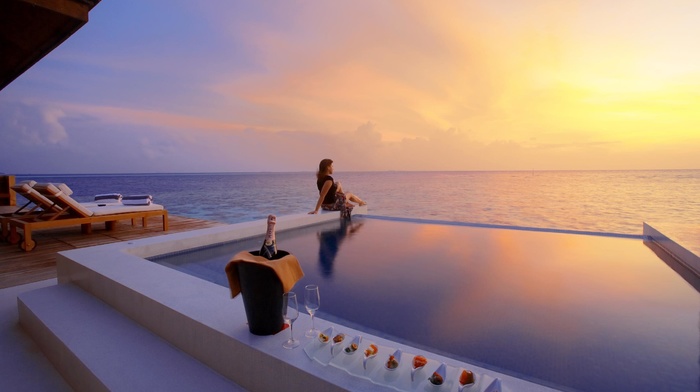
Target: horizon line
347 171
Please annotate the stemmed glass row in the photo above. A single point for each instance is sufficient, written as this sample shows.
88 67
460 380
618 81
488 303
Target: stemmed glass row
290 312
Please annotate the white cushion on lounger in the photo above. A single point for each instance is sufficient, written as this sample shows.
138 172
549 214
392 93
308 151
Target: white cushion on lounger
28 182
64 188
52 190
119 208
23 187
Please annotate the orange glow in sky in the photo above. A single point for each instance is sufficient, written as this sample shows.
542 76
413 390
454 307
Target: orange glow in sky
391 85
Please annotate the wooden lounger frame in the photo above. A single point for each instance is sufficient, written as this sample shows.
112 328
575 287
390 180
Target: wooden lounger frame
42 206
71 213
28 225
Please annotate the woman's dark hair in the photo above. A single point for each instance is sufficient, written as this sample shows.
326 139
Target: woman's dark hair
323 167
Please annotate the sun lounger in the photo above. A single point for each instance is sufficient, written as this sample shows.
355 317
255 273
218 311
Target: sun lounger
37 205
39 202
74 213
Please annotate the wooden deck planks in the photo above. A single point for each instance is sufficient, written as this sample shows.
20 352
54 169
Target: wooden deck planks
19 267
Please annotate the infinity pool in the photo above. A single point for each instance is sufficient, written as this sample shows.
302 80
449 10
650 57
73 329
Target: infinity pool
570 311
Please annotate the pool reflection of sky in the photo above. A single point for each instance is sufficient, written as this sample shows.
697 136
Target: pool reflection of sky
589 313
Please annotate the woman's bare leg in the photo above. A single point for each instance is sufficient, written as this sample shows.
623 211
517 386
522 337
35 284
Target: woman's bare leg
354 199
349 196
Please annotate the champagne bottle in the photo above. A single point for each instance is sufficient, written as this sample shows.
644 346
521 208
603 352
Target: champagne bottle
269 246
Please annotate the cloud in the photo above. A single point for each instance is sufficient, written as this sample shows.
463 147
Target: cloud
102 145
405 85
32 124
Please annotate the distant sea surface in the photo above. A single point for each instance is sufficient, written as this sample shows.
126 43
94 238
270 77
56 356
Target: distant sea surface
599 201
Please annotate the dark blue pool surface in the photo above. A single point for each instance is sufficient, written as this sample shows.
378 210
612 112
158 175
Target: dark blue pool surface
575 312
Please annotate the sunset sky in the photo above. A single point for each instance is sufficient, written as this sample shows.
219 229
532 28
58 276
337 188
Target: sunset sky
222 85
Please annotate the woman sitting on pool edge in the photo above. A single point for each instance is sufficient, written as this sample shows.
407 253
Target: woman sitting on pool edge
332 197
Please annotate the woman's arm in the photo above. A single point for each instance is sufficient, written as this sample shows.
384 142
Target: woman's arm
324 191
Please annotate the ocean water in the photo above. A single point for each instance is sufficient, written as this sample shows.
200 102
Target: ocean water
599 201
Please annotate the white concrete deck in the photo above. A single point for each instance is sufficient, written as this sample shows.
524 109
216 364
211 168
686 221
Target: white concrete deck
23 367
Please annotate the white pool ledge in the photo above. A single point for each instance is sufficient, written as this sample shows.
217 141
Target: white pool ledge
201 319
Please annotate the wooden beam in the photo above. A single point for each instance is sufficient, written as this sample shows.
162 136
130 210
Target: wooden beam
70 8
30 29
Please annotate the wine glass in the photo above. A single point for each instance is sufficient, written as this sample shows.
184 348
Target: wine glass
312 301
290 312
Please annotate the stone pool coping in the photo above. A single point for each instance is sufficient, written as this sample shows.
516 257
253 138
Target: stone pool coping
201 319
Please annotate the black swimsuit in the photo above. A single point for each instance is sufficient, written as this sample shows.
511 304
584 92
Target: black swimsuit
330 196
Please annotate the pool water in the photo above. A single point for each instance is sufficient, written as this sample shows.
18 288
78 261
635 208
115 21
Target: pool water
571 311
